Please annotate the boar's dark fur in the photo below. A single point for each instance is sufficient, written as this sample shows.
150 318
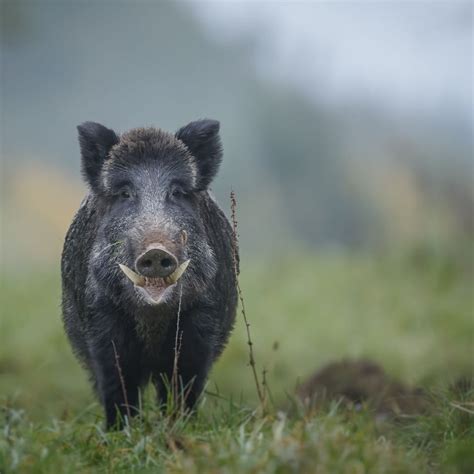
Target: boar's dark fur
147 186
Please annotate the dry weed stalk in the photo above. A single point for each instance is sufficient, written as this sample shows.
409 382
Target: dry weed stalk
235 246
177 349
122 383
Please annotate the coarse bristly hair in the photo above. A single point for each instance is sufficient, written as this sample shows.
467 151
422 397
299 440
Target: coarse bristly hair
198 143
147 185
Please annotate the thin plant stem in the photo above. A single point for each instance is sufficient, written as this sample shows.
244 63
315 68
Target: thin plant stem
122 382
235 244
177 349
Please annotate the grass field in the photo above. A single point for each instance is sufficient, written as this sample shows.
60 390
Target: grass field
412 313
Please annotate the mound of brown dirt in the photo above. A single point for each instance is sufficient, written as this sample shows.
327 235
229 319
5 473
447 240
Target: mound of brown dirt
362 383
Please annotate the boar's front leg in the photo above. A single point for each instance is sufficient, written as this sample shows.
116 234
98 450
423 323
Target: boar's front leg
192 376
198 342
117 377
189 383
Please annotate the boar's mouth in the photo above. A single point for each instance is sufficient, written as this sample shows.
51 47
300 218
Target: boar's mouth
154 288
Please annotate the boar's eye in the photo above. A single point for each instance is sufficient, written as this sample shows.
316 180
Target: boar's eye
125 192
177 192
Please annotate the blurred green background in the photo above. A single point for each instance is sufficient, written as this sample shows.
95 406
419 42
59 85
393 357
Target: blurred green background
347 130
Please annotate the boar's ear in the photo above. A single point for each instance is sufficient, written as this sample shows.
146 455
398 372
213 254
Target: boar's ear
95 142
203 141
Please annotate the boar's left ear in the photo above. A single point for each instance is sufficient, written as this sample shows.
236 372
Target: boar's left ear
95 142
203 141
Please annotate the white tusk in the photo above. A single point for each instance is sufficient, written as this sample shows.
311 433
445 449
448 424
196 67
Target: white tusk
134 277
177 274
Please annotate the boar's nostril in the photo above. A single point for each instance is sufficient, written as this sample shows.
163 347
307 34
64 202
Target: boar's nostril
156 263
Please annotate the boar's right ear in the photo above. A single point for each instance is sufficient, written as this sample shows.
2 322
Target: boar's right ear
203 141
95 142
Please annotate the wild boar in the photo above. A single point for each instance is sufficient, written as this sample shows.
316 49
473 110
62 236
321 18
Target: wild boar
148 242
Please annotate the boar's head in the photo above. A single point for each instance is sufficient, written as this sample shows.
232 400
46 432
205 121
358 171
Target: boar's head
147 189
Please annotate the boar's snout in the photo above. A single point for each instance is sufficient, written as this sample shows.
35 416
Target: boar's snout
156 262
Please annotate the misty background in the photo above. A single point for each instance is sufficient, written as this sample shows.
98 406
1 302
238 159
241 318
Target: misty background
347 131
345 124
